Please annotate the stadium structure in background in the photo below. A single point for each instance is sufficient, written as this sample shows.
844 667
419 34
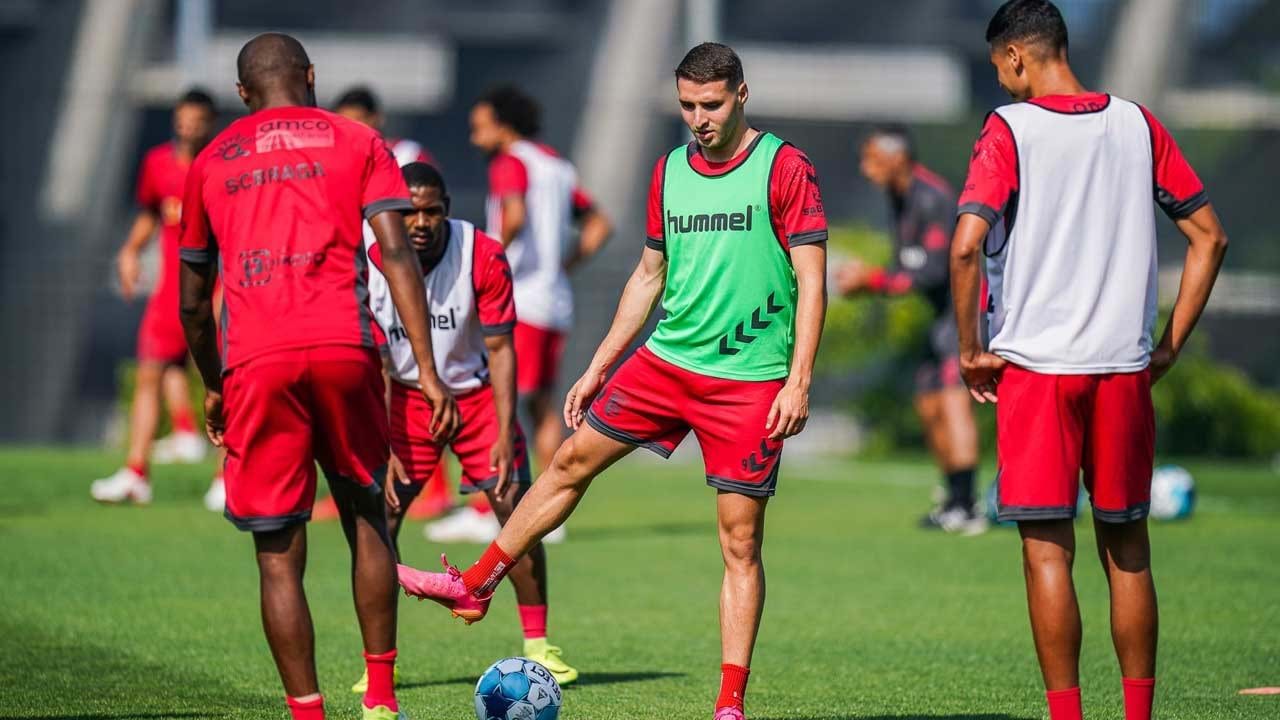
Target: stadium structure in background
95 79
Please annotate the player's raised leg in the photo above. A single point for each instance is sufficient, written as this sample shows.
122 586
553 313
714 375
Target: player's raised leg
545 507
741 523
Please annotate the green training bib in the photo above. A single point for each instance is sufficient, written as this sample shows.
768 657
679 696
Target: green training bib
731 291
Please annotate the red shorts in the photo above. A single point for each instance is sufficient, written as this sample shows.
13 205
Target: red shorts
418 451
160 336
653 404
288 410
1052 427
538 352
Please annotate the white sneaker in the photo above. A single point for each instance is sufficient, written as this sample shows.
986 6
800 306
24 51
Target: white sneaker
464 525
125 485
555 537
179 447
215 499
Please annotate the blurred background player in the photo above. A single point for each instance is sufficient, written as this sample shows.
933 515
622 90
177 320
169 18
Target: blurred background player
534 201
360 104
1059 201
731 361
469 292
280 206
162 349
923 207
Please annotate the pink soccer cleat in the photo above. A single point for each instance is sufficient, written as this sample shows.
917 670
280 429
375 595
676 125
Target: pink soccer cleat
445 588
729 713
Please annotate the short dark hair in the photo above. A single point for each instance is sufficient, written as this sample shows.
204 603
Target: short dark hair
196 96
1037 22
896 132
359 96
514 109
710 62
272 59
420 174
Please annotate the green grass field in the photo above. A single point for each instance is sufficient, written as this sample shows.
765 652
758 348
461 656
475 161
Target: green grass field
152 613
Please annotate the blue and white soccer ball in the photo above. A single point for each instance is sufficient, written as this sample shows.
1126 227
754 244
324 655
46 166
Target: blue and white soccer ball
1173 493
517 688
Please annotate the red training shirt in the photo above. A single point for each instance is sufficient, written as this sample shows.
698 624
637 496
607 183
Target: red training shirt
278 199
161 181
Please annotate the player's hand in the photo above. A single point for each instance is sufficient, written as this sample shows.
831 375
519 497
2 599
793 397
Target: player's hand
789 412
444 409
129 270
851 277
501 458
981 373
1162 360
581 395
395 474
214 423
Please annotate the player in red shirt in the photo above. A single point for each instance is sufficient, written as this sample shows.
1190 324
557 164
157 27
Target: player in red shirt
275 205
736 253
534 198
162 350
923 206
1059 201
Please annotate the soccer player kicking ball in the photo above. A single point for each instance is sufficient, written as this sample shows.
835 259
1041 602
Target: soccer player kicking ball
468 284
736 252
275 203
1059 201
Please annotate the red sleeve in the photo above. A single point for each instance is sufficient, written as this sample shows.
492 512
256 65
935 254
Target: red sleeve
993 171
195 243
795 202
655 226
507 176
582 202
147 195
1178 190
491 277
384 187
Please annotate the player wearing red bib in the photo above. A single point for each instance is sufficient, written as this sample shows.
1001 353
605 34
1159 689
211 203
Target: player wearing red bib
1058 200
736 251
162 350
275 205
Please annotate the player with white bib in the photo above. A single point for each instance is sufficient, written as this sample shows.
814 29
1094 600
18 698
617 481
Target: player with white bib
473 315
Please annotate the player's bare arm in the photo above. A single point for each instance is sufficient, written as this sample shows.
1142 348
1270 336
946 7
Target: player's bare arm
593 234
195 283
128 265
404 276
639 296
502 377
981 369
790 409
395 468
514 213
1206 246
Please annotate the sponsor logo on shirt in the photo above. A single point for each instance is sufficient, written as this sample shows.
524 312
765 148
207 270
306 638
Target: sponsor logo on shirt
236 146
294 134
711 222
257 177
260 265
438 322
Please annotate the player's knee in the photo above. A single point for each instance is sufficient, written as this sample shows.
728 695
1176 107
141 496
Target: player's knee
570 463
1130 554
740 546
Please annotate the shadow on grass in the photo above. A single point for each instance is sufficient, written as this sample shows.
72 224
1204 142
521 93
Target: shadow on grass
586 679
980 716
671 529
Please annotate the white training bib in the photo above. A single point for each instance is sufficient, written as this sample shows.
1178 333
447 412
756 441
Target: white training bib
1073 283
457 340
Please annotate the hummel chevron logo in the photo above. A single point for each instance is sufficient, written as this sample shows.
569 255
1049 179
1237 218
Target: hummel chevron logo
765 452
758 322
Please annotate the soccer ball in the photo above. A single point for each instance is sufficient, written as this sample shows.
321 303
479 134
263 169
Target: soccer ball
1173 493
517 688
